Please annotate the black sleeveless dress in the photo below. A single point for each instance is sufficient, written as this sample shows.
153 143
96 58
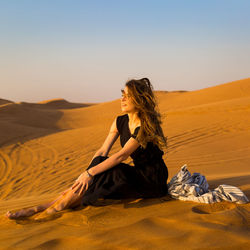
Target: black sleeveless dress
146 179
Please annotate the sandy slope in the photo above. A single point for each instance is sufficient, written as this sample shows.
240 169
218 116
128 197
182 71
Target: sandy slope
45 146
3 101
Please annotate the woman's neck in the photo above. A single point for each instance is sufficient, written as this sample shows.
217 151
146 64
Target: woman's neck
133 118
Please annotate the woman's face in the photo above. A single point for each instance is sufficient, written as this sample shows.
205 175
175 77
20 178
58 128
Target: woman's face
127 105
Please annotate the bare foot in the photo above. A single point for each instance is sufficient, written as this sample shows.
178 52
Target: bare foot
57 205
26 212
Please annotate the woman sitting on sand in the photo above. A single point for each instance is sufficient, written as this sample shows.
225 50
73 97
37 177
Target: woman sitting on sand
141 137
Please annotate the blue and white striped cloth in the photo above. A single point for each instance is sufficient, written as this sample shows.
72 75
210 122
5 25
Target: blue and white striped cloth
187 187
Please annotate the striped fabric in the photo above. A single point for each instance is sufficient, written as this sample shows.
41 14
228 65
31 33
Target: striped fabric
187 187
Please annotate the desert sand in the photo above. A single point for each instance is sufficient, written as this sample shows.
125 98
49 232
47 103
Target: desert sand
45 146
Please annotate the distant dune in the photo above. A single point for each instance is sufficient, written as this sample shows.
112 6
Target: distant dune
3 101
45 146
63 104
28 120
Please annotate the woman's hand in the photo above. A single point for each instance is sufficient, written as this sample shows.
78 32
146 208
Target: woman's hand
82 183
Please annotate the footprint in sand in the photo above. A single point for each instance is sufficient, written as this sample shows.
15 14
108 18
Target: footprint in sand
213 208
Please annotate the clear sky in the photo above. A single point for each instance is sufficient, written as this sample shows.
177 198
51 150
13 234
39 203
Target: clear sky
84 51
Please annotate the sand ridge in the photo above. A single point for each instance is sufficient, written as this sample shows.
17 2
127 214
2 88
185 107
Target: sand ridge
45 146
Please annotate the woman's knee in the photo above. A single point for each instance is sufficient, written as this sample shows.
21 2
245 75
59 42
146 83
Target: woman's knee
98 159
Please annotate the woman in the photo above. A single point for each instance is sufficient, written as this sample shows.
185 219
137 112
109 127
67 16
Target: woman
141 137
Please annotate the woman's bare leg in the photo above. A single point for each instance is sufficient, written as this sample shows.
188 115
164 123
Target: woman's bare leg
25 212
70 199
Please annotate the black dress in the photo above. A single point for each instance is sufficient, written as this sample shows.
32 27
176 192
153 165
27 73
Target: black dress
146 179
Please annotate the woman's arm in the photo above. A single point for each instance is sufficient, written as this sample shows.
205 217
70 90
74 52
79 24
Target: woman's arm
109 141
84 179
130 146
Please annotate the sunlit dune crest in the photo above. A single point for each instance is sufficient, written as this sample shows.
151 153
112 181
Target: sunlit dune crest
45 146
63 104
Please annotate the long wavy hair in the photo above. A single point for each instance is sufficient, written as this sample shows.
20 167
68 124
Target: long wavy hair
141 93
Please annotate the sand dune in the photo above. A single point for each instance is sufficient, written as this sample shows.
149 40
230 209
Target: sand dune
45 146
62 104
3 101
